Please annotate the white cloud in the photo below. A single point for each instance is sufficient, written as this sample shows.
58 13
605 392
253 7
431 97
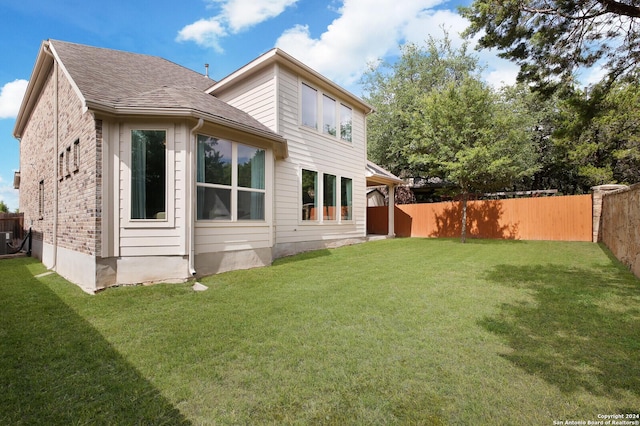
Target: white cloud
234 16
243 14
369 30
499 72
205 32
11 96
365 31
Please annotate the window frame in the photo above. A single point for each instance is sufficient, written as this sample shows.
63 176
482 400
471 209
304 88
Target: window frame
41 199
319 106
169 218
333 128
235 188
319 202
76 156
303 103
341 108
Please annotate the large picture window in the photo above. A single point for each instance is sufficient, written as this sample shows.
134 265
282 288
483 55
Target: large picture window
230 180
148 174
320 193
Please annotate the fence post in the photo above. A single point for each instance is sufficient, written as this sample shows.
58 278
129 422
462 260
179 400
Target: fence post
598 192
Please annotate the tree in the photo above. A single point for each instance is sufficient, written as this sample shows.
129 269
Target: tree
550 40
3 207
468 135
395 91
599 129
436 118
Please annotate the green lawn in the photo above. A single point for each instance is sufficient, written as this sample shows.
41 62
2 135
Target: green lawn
405 331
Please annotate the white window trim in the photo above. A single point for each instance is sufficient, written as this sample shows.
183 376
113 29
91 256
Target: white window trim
268 159
169 220
320 220
319 130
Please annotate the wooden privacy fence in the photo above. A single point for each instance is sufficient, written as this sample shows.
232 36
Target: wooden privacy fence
13 223
566 218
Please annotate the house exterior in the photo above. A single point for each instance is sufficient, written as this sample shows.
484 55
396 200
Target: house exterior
134 169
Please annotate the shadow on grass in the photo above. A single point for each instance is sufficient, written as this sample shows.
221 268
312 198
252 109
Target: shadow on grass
55 368
577 329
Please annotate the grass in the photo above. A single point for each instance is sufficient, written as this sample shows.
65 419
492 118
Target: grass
405 331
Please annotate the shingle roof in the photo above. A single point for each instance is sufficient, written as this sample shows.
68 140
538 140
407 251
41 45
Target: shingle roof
377 175
116 79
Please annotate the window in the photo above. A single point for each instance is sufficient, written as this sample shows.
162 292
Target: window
333 116
230 180
41 200
329 191
76 155
309 106
148 174
346 192
309 191
61 166
345 123
251 188
324 186
67 160
328 115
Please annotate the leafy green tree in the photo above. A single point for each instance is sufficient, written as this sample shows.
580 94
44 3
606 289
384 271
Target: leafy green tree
466 134
395 91
543 115
550 40
599 130
3 207
434 117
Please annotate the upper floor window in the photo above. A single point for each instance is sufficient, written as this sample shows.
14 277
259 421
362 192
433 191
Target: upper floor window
230 180
334 117
309 106
346 118
328 115
148 174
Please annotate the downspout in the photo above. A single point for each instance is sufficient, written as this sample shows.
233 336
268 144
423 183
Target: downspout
55 156
191 201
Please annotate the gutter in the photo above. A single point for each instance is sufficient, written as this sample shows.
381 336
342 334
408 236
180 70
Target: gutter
282 148
47 50
190 201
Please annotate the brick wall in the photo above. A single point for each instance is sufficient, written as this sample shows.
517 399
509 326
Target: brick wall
36 165
78 158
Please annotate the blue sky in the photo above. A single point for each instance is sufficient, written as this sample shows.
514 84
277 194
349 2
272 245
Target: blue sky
337 38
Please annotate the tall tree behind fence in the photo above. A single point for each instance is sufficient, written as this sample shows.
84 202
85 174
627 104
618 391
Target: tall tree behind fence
567 218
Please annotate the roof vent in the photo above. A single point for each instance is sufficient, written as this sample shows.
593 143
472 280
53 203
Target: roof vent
206 70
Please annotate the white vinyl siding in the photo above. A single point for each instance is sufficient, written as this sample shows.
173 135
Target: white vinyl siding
154 237
255 96
220 236
312 150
